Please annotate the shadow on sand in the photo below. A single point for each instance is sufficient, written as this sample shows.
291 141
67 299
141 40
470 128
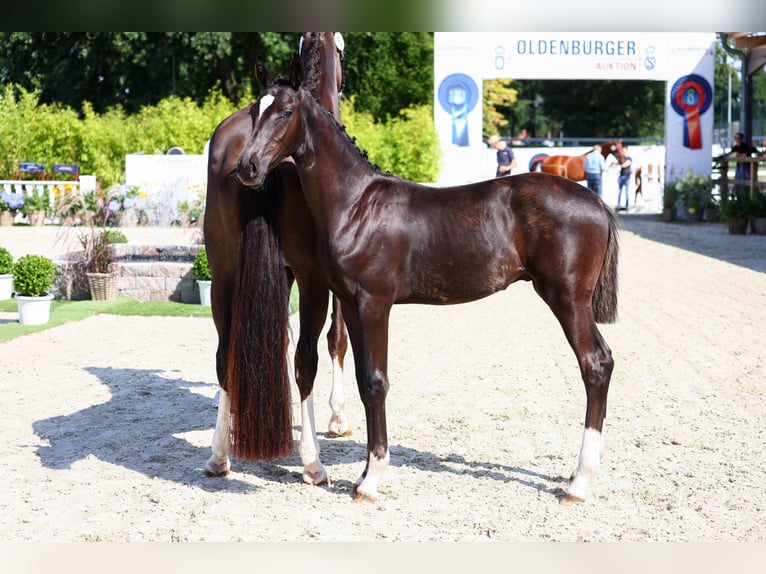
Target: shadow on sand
141 426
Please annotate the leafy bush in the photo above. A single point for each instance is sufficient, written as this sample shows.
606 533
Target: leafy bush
6 261
98 143
33 275
200 266
407 145
116 236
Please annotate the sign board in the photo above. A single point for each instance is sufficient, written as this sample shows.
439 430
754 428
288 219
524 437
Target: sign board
463 60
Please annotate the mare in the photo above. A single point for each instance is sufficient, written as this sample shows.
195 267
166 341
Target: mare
571 166
249 237
387 241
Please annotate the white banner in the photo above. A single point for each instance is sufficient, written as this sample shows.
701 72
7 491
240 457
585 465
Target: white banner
463 60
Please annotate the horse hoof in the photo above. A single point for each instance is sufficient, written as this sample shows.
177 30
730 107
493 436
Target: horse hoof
571 499
339 427
363 497
339 434
213 468
318 478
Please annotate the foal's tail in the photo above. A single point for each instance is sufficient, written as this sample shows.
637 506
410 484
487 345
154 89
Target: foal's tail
257 377
605 293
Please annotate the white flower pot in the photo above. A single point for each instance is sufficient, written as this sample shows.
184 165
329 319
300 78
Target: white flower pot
6 286
34 310
204 292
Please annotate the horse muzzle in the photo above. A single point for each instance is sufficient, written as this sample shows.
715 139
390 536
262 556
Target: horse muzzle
248 173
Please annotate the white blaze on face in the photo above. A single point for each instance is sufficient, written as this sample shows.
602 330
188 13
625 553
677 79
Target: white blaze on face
266 101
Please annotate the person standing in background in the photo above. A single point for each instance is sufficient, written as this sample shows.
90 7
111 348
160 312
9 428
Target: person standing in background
506 160
742 150
623 178
595 166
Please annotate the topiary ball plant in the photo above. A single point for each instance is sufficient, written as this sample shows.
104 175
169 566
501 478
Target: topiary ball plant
6 262
200 267
33 275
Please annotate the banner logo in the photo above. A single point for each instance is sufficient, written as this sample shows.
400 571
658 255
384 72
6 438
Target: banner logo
690 97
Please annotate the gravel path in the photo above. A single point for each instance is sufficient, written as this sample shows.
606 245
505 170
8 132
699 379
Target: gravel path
107 422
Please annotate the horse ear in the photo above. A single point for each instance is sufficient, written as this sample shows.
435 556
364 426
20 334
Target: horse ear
296 71
262 74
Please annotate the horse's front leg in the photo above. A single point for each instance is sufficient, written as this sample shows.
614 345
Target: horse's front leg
219 464
369 338
337 345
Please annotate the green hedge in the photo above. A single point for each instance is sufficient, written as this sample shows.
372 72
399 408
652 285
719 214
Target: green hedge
406 145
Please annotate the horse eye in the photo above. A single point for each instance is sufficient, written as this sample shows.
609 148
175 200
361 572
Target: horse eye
287 113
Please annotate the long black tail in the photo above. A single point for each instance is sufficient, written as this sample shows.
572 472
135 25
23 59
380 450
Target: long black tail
257 375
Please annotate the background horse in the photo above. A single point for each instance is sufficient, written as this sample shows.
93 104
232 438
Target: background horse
249 236
571 166
385 241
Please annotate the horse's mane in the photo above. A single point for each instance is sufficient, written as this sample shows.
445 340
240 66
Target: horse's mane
351 139
312 64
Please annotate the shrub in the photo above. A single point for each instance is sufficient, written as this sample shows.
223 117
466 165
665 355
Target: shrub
33 275
200 266
407 145
116 236
6 261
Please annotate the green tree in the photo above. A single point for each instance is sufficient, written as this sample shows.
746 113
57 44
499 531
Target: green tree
497 101
389 71
134 69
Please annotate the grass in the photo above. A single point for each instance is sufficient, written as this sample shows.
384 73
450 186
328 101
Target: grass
63 311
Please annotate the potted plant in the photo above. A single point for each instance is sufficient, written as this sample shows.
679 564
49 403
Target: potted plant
201 270
33 277
669 201
738 210
6 274
694 191
98 262
36 206
758 221
10 203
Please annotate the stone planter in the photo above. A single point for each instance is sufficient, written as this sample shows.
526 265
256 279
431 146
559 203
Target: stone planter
6 286
36 218
204 292
737 225
6 218
34 310
758 225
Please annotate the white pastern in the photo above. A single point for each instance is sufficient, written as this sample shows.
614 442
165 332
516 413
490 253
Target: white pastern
313 470
590 462
376 468
266 101
219 461
338 422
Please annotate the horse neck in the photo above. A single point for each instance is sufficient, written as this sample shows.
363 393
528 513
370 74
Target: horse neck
329 70
326 157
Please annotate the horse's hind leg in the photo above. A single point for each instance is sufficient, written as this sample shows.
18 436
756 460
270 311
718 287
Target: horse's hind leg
218 464
596 364
337 345
313 311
